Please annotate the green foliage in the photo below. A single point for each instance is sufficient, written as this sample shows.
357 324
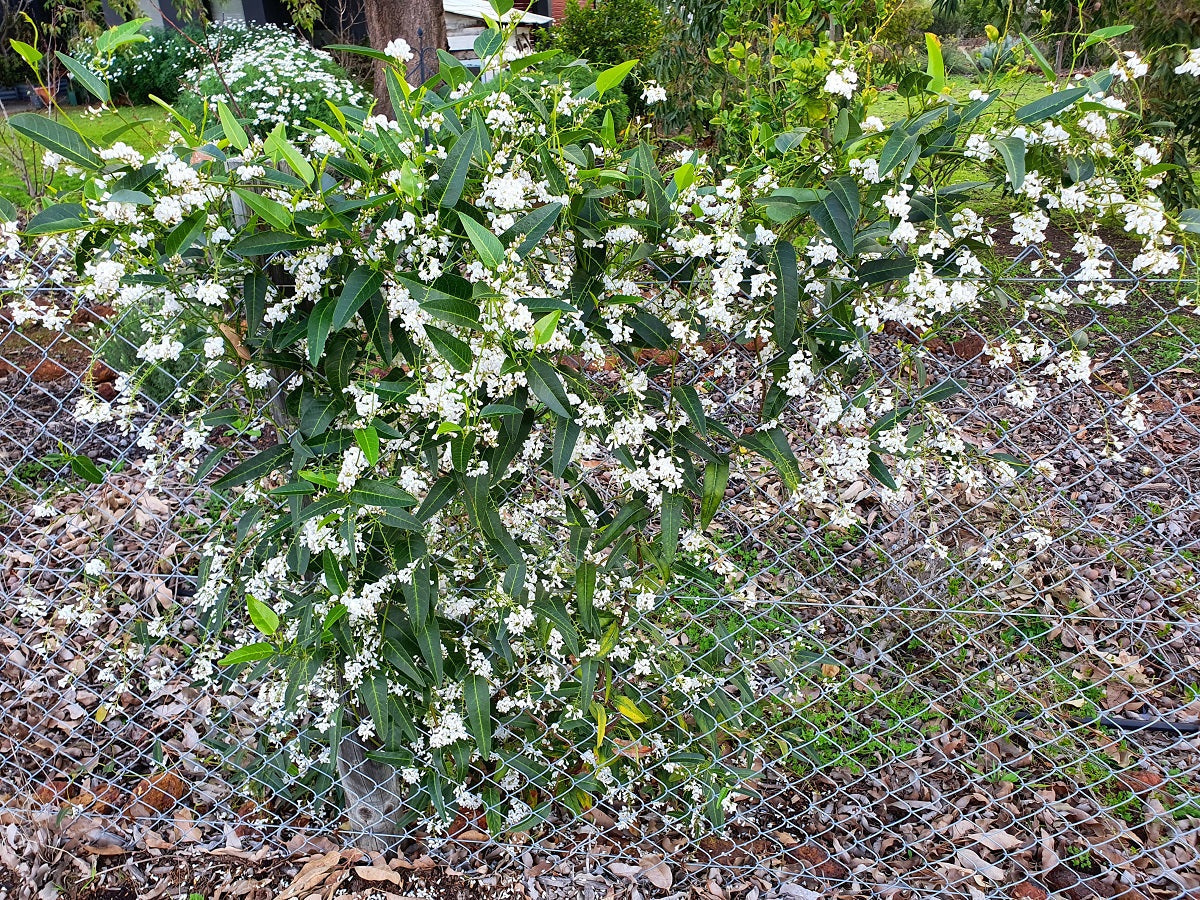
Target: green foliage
900 38
772 86
451 309
681 64
608 32
154 66
1167 30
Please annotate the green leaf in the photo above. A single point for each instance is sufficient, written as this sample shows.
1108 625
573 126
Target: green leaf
1104 34
429 639
361 284
368 442
85 76
384 494
249 653
716 477
943 391
255 467
899 144
374 693
486 244
320 320
837 214
279 147
264 618
181 238
1189 220
877 271
936 68
8 212
83 467
610 78
547 386
566 435
477 696
774 447
1043 63
268 243
452 173
454 351
787 292
32 55
544 328
53 136
55 219
232 127
534 226
629 709
672 520
1045 107
120 35
687 397
554 611
452 310
632 512
879 471
273 213
335 577
488 43
1012 151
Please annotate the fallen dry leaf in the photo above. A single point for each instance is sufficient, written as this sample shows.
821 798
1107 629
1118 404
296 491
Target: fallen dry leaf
657 872
377 874
157 793
972 861
998 839
312 874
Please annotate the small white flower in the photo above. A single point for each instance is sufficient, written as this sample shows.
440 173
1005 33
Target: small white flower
654 93
1191 65
841 80
399 50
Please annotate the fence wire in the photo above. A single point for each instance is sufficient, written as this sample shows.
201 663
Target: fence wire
939 714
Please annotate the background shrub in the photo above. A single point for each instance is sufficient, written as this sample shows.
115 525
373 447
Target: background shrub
272 77
607 32
900 39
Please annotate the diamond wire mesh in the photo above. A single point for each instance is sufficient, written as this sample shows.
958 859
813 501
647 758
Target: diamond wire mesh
924 699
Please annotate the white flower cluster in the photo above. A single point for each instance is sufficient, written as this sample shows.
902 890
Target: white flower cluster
274 78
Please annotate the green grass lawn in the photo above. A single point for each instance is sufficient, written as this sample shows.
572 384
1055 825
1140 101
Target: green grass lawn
1018 88
143 127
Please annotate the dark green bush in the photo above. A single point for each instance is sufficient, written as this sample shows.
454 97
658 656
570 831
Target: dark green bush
1165 29
608 32
900 39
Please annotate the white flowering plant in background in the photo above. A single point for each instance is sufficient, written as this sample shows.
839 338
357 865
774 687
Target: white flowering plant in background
507 362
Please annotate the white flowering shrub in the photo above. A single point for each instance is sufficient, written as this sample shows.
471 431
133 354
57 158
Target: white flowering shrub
156 64
507 365
267 76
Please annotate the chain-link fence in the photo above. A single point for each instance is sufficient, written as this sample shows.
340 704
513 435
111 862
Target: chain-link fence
938 713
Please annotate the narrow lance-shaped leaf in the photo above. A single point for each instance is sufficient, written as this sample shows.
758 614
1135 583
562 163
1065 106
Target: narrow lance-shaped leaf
232 127
486 244
477 697
361 284
85 76
55 137
716 476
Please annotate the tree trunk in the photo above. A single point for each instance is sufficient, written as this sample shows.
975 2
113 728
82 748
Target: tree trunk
420 22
